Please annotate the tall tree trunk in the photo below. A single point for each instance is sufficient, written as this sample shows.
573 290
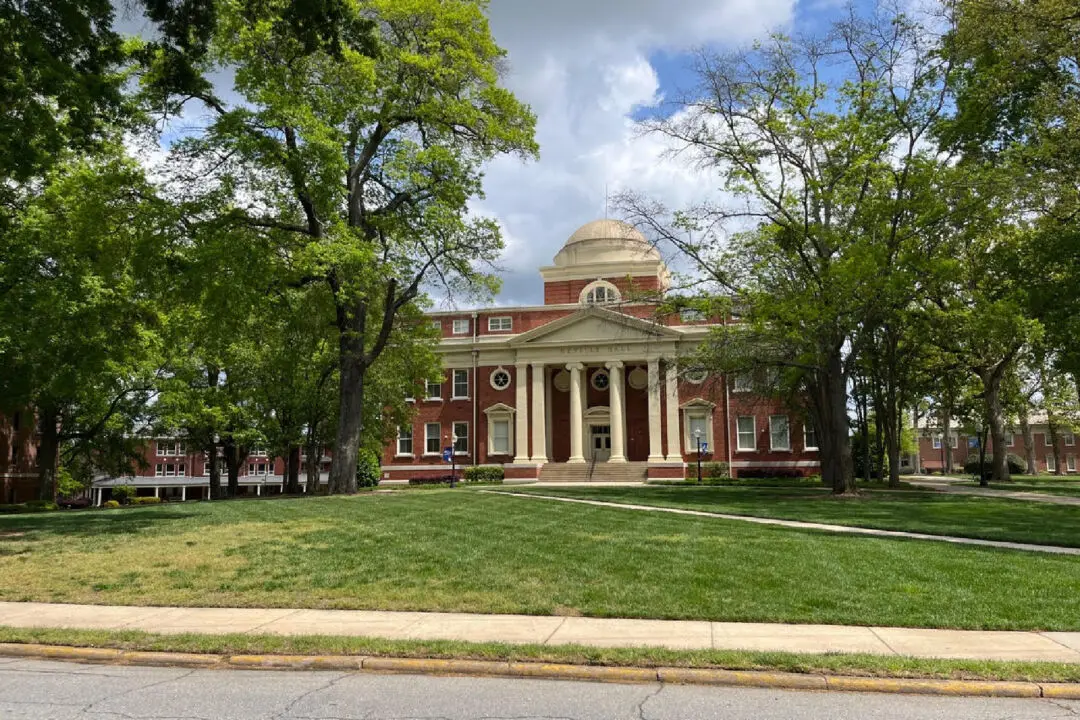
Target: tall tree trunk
314 462
1000 461
215 471
836 467
350 415
292 470
232 465
1055 448
48 453
983 481
1029 442
892 444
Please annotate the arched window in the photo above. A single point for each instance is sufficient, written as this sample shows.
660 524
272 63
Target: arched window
600 292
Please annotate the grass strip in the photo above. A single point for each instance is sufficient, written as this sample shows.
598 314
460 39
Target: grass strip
858 665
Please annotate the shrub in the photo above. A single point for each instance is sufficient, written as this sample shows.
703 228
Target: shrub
716 470
111 504
483 473
123 494
762 473
1017 465
436 480
368 469
145 500
40 505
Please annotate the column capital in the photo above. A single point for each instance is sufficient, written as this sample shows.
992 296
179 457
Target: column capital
614 364
538 365
521 364
575 366
654 364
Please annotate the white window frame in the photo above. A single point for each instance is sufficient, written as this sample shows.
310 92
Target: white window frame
397 441
251 468
1046 439
588 293
428 384
181 470
807 431
936 441
170 469
496 371
1051 464
772 433
258 452
428 438
742 382
697 410
496 414
461 326
607 378
500 323
1068 439
739 447
691 315
159 470
170 448
1010 440
437 326
454 375
954 441
1070 463
462 440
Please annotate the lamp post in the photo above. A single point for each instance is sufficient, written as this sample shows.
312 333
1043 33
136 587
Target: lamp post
697 440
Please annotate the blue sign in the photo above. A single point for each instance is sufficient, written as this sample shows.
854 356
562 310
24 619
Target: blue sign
973 442
704 447
447 454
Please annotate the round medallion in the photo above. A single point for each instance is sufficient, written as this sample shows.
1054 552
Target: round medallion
500 379
696 376
600 380
562 381
638 378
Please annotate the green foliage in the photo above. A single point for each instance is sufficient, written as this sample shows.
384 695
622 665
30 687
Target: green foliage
111 504
33 506
483 473
717 470
148 500
369 469
1017 465
123 494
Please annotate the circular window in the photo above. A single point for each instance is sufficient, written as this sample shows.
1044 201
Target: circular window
500 379
600 380
696 376
637 378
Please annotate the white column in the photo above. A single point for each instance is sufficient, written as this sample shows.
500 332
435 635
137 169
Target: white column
655 452
521 416
258 489
157 491
615 391
539 419
575 413
674 446
183 493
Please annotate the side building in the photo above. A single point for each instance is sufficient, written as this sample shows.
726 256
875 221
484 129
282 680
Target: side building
935 449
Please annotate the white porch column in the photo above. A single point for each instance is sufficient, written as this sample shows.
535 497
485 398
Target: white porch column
576 455
157 491
615 390
655 452
183 493
539 419
521 416
674 446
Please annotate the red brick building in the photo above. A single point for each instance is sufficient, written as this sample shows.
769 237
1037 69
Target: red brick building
18 456
589 384
934 449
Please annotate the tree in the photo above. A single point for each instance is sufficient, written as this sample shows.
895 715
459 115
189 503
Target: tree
359 163
80 317
838 188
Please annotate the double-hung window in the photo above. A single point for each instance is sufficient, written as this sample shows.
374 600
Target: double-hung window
461 327
746 434
809 436
461 385
404 440
500 437
500 324
779 435
743 382
434 390
432 441
461 438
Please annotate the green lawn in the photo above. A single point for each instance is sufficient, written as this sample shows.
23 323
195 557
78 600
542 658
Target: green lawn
928 512
460 550
1055 486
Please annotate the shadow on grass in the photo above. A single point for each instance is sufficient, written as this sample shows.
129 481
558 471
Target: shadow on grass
86 523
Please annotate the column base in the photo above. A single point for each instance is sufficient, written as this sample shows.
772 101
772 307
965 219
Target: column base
674 459
579 460
617 459
656 459
538 459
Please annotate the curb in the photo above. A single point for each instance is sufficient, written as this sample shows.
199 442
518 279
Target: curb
551 671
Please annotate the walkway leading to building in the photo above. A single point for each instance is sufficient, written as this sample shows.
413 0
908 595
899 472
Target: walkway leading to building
548 630
949 485
800 525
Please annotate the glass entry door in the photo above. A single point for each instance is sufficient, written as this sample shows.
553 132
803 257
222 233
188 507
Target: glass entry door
600 442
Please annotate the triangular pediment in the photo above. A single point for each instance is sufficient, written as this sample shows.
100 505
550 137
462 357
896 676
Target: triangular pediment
595 324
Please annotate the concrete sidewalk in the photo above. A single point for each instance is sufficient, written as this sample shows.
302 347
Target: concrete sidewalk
951 485
548 630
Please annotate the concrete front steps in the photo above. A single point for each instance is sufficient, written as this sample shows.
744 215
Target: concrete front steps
601 472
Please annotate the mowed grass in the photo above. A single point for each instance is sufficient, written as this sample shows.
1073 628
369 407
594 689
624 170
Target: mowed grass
445 550
1055 486
931 512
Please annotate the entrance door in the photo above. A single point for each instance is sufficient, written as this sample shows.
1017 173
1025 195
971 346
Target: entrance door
600 436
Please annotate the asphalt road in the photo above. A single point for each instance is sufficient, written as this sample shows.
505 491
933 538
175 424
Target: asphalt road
33 690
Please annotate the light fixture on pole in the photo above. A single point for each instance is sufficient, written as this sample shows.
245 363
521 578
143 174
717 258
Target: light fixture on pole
697 440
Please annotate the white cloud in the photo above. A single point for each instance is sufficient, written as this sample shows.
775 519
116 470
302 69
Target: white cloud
583 66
